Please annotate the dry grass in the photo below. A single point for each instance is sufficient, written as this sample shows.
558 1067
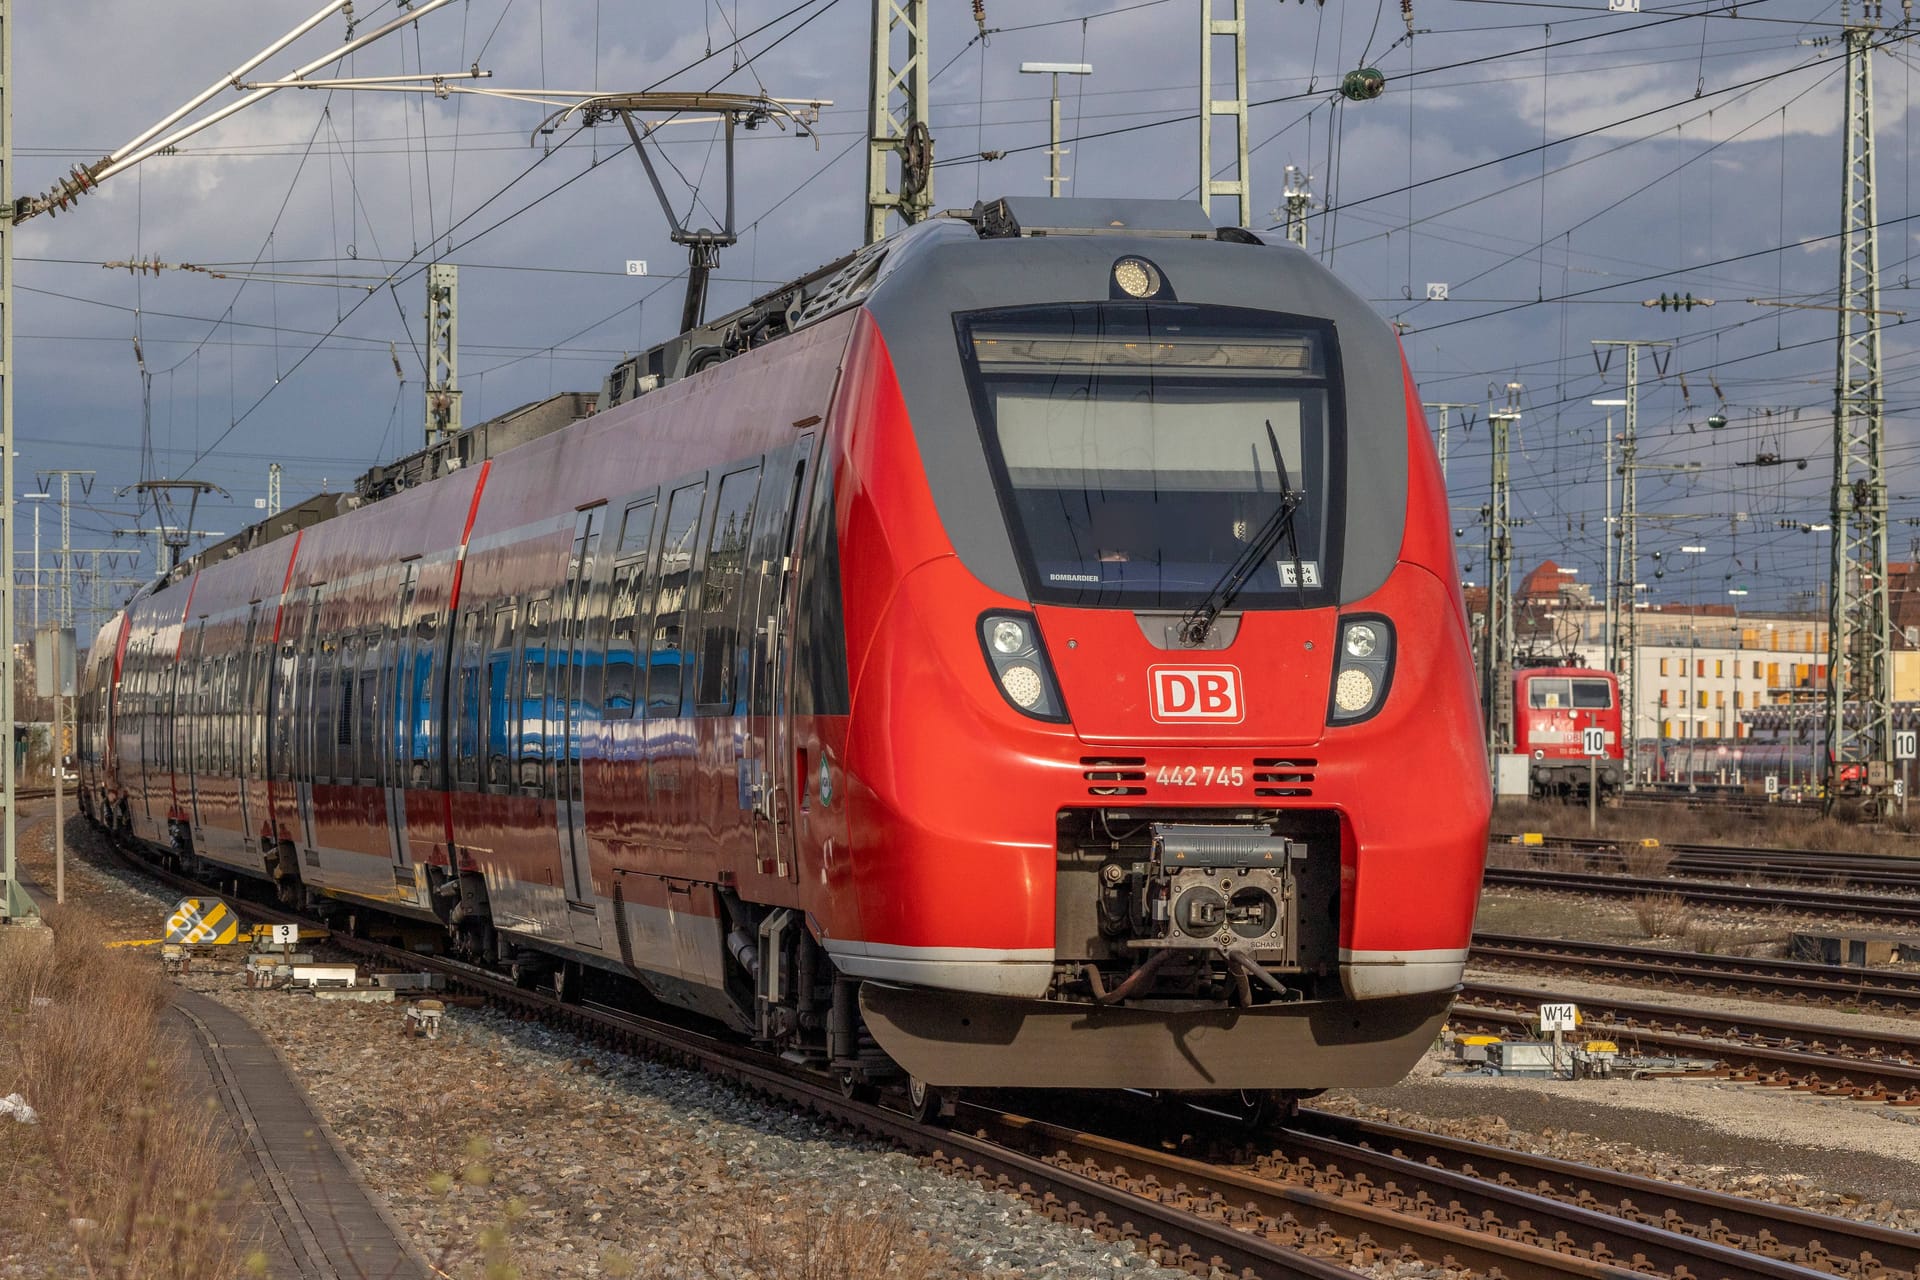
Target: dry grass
1709 938
120 1177
1644 860
803 1234
1661 915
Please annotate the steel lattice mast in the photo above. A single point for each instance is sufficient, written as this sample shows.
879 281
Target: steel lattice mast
1240 186
897 126
1859 660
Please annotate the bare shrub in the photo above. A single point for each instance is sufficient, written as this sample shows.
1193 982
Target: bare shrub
1646 860
122 1173
1661 915
1713 939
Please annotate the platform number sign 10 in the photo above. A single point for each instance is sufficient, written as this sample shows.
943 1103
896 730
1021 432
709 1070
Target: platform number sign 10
1905 742
1593 741
1559 1017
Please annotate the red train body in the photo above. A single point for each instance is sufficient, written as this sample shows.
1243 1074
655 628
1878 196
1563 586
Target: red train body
1553 709
871 673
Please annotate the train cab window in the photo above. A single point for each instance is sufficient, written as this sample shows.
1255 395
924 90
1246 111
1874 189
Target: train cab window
1548 693
1592 695
624 611
1139 447
720 584
531 709
675 577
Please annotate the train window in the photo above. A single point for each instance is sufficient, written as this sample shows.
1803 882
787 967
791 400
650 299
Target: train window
531 709
1548 693
720 584
466 755
636 531
629 579
1592 694
673 579
497 699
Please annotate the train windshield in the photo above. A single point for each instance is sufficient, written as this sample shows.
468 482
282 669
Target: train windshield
1140 447
1548 692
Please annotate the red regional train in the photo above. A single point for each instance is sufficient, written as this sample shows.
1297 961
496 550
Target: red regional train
993 658
1553 709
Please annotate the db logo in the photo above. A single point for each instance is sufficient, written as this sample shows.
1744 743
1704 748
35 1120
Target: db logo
1196 693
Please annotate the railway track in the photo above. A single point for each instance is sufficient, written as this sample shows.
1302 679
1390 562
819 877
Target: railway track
1821 903
1893 873
1854 1065
1302 1208
1878 991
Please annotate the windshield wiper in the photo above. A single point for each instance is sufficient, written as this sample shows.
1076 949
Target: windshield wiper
1195 626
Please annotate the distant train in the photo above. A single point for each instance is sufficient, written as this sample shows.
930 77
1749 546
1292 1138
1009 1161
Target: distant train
1553 709
993 659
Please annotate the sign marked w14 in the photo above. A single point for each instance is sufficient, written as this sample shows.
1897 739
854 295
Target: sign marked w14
1559 1017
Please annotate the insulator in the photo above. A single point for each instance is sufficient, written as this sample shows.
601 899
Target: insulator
1363 84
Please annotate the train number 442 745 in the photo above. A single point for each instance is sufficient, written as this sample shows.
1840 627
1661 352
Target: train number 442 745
1187 775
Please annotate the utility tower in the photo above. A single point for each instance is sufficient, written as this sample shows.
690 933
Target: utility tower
273 488
1445 407
1240 185
443 351
1859 657
1623 638
65 615
13 903
1496 680
897 126
1297 195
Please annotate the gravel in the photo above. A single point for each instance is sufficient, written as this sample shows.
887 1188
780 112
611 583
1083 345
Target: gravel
504 1140
509 1139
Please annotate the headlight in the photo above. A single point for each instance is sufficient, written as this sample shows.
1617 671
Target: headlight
1364 669
1022 684
1019 663
1353 691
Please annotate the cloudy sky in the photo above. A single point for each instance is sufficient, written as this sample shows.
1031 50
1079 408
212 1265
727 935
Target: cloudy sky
1554 164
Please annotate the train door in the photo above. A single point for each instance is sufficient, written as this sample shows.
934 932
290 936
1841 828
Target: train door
392 723
150 725
193 724
767 784
569 712
246 748
315 657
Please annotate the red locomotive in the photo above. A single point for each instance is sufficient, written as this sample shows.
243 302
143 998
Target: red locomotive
993 658
1554 707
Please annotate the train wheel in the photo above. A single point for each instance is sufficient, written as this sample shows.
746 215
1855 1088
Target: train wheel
923 1100
854 1086
1266 1108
